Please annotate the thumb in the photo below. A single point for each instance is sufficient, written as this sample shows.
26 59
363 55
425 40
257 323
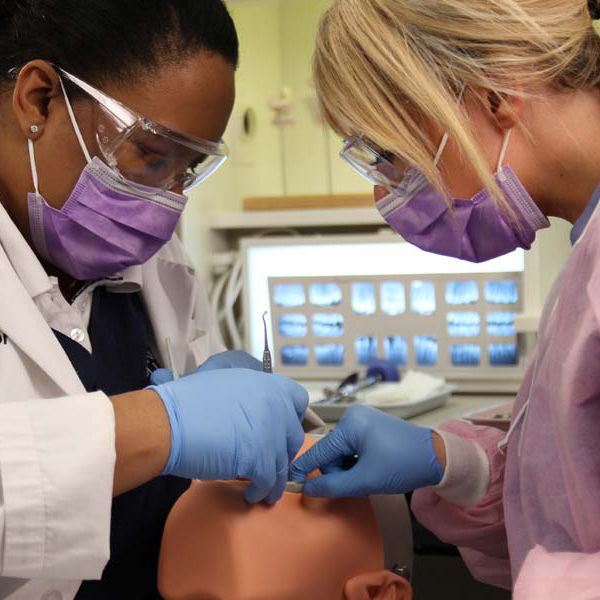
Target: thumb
340 484
332 449
161 376
295 392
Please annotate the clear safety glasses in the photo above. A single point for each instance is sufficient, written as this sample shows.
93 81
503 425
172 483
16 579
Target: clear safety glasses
375 166
146 152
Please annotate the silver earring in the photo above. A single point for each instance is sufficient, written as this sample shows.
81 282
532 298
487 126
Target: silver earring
34 129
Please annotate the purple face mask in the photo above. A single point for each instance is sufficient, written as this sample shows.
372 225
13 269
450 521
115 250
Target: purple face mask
475 230
106 225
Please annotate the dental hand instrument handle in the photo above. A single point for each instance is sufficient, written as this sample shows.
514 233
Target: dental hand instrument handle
267 361
171 359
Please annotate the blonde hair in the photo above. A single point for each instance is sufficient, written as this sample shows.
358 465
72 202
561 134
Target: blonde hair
385 68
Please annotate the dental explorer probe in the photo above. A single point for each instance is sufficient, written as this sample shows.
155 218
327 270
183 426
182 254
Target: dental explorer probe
267 362
292 487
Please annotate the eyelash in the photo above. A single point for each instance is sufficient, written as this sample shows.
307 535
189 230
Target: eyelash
389 156
146 151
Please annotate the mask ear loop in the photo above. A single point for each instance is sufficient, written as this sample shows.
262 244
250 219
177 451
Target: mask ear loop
74 123
446 137
499 168
34 173
441 149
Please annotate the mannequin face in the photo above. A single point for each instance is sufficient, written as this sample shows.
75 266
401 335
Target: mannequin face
217 547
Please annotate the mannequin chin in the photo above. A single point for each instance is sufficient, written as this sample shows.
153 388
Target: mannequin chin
217 547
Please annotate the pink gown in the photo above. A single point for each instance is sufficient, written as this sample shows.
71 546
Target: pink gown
536 519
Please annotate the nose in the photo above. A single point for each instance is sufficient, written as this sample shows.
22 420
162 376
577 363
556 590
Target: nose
380 192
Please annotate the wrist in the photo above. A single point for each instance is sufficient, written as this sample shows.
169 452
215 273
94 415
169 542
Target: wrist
467 473
143 438
439 448
161 448
170 410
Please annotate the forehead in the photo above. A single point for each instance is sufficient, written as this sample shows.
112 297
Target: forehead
195 97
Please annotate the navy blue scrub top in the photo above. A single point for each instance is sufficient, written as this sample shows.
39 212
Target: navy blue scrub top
121 361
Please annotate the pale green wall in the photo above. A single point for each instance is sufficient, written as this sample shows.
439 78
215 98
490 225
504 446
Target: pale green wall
254 166
276 47
306 157
312 162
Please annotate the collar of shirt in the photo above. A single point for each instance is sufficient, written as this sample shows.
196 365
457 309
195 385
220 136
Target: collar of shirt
128 281
73 319
584 219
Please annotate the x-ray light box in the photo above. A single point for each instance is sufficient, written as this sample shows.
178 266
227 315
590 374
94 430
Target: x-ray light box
337 302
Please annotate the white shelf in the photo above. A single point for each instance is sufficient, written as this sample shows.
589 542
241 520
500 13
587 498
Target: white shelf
279 219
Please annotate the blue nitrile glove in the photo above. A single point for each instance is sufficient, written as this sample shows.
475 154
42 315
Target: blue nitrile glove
161 376
234 359
235 423
394 457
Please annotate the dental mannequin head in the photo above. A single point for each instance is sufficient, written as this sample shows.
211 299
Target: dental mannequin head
217 547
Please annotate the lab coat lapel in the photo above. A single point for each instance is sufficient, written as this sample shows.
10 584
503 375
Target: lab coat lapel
24 326
169 291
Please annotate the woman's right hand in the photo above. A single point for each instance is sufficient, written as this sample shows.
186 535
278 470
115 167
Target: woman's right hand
232 359
235 423
371 452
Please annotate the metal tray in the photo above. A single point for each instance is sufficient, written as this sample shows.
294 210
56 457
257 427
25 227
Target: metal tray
404 410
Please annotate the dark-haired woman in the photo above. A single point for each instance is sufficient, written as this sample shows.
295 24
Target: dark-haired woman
111 110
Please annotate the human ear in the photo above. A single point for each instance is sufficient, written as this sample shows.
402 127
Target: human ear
379 585
504 110
37 83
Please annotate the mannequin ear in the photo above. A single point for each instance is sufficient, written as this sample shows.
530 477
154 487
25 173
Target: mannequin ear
379 585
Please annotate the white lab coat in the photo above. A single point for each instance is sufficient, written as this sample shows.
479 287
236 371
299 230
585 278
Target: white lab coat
57 448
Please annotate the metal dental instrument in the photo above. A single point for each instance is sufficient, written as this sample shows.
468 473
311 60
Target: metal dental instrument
294 487
171 359
297 487
347 391
266 361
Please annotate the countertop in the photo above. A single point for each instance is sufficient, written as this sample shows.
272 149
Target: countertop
457 406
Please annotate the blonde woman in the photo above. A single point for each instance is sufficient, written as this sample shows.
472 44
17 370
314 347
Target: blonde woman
477 120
